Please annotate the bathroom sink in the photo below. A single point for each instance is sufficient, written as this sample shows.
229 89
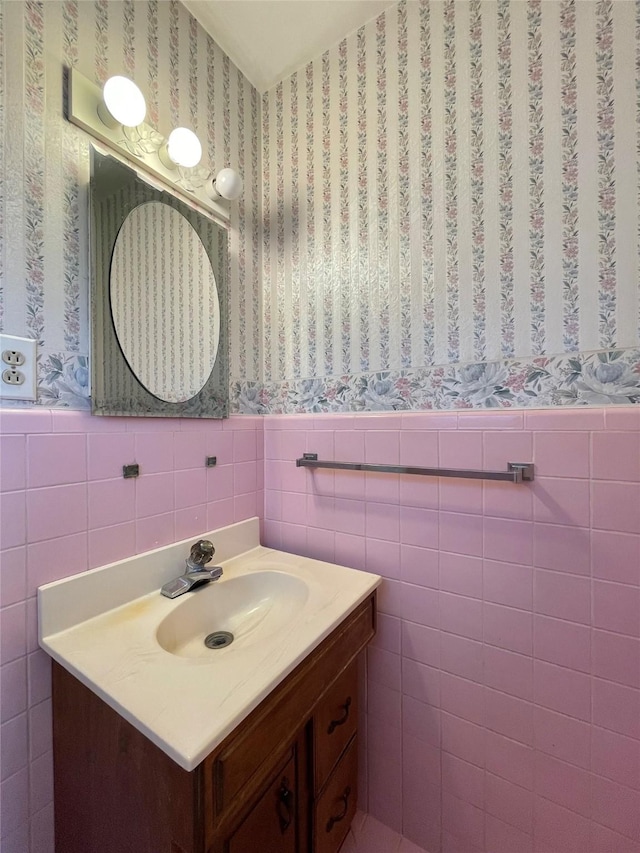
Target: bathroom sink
144 654
250 607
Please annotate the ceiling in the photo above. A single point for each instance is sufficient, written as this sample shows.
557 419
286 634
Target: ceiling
270 39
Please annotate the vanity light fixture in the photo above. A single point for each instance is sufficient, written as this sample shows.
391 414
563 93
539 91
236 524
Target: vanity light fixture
182 148
226 184
122 103
115 116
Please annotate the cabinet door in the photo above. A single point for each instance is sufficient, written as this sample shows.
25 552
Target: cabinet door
271 825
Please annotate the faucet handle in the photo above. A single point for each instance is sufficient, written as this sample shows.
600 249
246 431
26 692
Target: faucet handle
201 553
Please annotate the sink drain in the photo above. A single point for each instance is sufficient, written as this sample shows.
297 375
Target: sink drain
218 640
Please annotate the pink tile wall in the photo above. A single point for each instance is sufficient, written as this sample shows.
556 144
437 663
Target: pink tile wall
65 507
503 709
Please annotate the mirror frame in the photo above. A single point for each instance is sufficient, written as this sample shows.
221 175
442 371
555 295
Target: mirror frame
115 389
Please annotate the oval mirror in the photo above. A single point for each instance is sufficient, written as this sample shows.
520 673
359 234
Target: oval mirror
164 302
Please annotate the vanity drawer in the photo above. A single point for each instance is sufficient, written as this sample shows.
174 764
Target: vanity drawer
335 722
336 806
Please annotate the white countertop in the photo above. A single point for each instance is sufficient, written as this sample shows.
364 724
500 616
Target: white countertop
101 626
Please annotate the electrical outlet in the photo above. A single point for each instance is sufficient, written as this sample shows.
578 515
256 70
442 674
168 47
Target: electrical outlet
18 368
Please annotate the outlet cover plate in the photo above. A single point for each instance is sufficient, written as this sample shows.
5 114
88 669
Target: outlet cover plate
26 346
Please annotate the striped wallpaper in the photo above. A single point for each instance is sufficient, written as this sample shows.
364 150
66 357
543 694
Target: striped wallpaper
186 79
441 211
451 195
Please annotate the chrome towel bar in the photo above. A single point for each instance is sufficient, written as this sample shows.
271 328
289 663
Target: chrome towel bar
517 472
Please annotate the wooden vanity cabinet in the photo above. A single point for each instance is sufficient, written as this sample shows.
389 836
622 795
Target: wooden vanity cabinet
284 781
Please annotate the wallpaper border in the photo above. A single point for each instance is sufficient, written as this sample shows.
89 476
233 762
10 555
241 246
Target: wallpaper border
608 377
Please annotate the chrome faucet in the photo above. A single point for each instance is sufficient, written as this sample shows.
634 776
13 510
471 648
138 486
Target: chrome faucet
195 574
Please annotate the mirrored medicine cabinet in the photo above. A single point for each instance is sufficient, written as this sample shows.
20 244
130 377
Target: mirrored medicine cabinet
159 300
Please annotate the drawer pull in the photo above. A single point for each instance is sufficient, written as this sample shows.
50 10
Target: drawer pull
333 725
285 797
345 808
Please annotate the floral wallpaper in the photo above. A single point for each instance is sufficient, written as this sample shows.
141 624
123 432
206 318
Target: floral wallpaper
186 79
451 209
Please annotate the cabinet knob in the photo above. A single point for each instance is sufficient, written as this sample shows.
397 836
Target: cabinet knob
343 812
333 725
285 800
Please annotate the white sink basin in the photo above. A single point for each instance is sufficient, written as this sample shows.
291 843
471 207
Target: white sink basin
252 607
144 654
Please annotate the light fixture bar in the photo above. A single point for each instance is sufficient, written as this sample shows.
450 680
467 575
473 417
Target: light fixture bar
132 144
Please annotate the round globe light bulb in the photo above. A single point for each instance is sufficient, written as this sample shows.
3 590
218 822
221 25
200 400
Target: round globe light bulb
124 101
184 148
228 184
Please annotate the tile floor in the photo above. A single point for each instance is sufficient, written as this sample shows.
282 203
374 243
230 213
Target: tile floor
368 835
